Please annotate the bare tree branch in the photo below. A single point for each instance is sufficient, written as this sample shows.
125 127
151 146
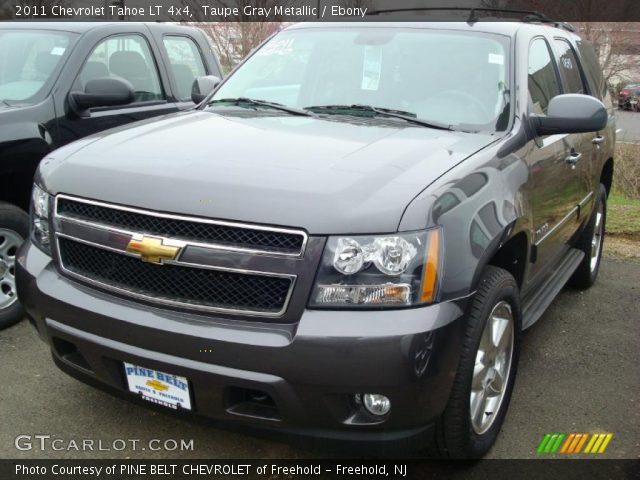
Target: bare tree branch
233 41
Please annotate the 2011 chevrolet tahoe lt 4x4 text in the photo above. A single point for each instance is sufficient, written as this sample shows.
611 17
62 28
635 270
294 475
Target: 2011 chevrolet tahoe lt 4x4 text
345 239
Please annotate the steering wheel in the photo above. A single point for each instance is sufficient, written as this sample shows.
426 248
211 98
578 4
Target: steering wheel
478 108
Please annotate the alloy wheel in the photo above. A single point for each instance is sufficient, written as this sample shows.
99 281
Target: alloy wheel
10 241
492 368
596 241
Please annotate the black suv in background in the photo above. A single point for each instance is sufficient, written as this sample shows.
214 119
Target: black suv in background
346 239
63 81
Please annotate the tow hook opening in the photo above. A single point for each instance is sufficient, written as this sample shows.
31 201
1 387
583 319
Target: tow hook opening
251 403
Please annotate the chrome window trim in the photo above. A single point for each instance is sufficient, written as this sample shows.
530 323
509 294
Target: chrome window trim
213 246
174 303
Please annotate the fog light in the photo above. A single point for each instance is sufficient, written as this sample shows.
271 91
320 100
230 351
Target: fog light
376 404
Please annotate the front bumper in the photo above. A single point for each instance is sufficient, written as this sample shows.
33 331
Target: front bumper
310 369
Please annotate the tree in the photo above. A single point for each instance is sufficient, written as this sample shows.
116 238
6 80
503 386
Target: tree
616 44
233 41
234 38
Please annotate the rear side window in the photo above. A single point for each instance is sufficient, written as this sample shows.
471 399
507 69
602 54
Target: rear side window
128 57
185 62
592 68
543 80
569 67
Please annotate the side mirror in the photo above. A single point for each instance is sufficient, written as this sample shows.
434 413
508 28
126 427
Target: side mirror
101 92
572 113
202 87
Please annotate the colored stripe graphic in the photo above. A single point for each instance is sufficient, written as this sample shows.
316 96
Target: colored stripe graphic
574 442
543 443
571 441
550 443
556 445
590 444
598 443
582 442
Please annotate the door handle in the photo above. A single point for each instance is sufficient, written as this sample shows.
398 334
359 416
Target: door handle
599 140
573 158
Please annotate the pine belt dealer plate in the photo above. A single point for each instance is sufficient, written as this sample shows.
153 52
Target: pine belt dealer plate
158 387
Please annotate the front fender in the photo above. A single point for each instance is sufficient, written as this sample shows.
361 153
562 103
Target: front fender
480 205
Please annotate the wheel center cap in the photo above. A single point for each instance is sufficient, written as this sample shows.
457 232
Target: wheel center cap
3 268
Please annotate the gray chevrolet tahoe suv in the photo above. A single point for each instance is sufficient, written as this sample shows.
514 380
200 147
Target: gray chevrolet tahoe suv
346 239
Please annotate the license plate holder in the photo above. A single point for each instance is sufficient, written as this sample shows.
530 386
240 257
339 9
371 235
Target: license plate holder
166 389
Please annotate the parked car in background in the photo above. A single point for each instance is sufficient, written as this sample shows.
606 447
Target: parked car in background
345 240
60 82
628 98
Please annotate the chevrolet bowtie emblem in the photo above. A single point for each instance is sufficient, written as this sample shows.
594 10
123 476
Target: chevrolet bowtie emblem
152 250
157 385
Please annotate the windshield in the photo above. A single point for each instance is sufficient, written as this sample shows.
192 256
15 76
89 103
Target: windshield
28 60
453 78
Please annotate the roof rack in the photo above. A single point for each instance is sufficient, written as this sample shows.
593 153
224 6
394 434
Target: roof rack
529 16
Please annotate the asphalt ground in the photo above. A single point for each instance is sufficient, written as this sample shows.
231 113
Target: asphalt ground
628 123
579 372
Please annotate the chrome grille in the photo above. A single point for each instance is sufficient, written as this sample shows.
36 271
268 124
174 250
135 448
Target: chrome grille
215 233
214 266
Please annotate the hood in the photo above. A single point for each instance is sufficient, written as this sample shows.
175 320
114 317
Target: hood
323 175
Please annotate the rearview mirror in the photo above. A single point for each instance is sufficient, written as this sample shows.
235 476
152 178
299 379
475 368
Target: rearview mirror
202 87
101 92
571 113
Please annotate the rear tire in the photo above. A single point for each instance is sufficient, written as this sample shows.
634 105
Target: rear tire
14 229
591 242
465 430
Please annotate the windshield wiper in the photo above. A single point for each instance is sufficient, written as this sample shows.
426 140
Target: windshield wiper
386 112
240 101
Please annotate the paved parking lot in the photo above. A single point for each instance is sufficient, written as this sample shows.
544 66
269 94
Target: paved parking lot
628 123
578 373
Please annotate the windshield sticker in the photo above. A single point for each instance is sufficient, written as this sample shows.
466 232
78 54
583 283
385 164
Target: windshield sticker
57 51
372 68
277 47
496 58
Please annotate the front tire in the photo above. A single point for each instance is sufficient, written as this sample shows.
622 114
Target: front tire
14 230
486 373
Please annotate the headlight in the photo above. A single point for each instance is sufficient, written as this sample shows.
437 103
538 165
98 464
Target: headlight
40 226
376 271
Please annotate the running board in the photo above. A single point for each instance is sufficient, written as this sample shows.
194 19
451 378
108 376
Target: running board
535 306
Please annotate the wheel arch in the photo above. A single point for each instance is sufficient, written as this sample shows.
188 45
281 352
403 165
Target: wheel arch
509 251
19 160
606 175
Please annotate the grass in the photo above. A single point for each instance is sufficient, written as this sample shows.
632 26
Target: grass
623 216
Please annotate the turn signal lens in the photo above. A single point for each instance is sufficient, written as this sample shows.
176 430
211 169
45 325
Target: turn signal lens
431 267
